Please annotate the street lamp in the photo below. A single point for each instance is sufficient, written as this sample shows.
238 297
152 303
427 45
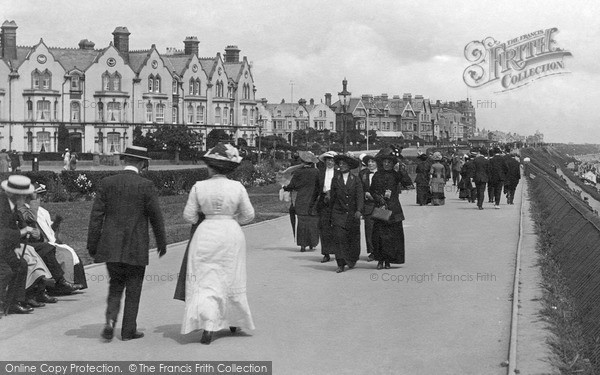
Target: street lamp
260 125
344 97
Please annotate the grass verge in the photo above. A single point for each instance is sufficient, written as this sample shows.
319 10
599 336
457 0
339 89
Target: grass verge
74 227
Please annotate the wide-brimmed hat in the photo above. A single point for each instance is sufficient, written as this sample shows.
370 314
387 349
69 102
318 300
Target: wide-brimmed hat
365 159
136 152
223 156
437 156
423 156
18 184
328 154
39 188
307 157
387 153
352 162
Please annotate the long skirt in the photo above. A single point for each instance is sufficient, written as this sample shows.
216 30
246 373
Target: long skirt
71 265
326 233
347 242
388 241
307 231
423 194
215 284
36 267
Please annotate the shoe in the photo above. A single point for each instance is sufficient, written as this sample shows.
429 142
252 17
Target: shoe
325 259
340 269
206 337
109 329
370 258
481 208
136 335
31 302
45 298
63 287
497 207
233 329
19 308
380 265
351 265
387 265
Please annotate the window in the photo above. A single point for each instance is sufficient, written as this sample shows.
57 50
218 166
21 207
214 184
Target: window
106 81
43 141
29 110
190 113
46 80
197 87
231 116
149 113
35 84
175 115
114 142
160 113
252 117
244 116
174 86
29 141
150 83
114 111
75 112
100 107
191 88
278 113
116 82
43 110
225 117
55 110
218 116
199 114
157 84
75 83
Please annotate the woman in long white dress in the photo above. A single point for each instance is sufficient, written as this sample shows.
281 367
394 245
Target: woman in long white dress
215 286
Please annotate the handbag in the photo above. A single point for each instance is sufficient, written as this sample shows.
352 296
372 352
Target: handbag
381 213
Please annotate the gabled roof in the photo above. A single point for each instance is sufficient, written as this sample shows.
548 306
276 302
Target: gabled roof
137 59
209 64
74 58
177 63
22 54
233 70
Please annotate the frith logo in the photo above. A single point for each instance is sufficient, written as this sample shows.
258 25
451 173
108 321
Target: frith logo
515 63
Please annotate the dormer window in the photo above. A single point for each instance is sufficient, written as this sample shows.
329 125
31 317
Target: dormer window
75 83
41 80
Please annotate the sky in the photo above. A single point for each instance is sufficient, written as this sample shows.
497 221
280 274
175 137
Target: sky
304 49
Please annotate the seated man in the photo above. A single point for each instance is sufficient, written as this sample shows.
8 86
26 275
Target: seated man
67 257
27 217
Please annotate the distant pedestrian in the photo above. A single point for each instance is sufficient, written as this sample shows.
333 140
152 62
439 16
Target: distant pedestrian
513 176
73 161
366 177
437 174
422 180
15 162
457 164
4 161
326 174
66 159
481 170
498 171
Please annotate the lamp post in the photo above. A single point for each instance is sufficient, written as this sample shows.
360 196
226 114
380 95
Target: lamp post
344 97
260 125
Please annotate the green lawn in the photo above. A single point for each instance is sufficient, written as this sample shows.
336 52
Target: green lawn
74 227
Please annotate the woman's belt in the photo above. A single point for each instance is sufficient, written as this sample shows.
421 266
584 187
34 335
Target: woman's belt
219 217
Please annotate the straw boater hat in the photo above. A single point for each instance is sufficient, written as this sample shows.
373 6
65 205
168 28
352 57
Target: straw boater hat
136 152
223 156
352 162
328 154
307 157
18 184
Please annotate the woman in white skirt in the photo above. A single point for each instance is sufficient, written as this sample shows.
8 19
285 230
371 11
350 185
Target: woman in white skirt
215 285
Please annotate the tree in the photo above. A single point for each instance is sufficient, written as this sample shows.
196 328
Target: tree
215 136
175 137
63 137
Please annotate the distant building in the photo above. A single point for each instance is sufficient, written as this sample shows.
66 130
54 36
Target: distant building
101 95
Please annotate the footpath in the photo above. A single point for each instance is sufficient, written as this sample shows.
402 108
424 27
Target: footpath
446 311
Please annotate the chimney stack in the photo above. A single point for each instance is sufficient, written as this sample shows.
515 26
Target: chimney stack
121 41
86 44
9 40
312 101
232 54
191 45
328 99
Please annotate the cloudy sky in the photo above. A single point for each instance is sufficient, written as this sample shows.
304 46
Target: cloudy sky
380 46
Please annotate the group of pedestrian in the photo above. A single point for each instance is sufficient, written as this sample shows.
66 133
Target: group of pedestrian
69 160
335 191
9 161
498 171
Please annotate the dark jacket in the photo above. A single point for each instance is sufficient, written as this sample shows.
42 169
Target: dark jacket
388 180
306 182
481 170
10 235
498 169
346 200
513 174
422 170
365 177
118 229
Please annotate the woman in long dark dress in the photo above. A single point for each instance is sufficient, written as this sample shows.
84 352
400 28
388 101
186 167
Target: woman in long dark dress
388 237
422 180
305 181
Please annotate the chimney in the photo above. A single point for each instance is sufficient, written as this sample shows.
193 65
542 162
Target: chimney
407 97
86 44
312 101
232 54
396 97
366 97
384 97
121 41
302 102
9 40
191 45
328 99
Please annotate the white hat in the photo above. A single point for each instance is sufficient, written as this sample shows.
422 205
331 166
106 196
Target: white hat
18 184
328 154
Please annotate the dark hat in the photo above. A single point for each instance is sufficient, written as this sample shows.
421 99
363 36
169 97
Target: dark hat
223 156
136 152
307 157
18 184
387 153
366 158
423 156
352 162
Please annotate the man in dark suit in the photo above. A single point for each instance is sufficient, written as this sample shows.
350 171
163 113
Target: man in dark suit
347 202
498 171
512 178
481 170
118 235
13 270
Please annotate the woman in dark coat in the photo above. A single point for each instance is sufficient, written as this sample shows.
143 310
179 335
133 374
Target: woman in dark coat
422 180
365 176
388 237
305 181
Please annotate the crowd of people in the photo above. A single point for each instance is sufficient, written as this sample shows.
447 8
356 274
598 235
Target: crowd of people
35 265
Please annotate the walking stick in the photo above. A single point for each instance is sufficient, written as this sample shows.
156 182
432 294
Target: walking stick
11 295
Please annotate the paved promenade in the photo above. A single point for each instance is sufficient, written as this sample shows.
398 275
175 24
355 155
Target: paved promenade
446 311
